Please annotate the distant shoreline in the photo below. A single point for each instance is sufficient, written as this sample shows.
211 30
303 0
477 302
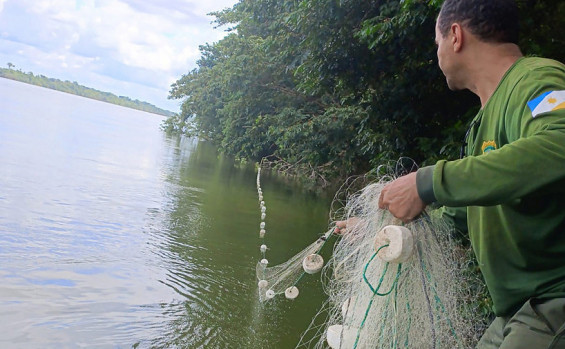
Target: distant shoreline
83 91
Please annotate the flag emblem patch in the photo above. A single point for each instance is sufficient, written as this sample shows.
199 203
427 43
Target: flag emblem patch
548 101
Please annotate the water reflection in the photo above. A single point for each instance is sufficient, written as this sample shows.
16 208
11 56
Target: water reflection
212 246
201 266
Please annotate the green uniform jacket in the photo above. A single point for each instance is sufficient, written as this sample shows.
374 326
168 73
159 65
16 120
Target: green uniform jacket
512 183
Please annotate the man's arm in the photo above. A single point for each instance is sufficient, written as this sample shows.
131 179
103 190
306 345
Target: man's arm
505 174
533 158
502 175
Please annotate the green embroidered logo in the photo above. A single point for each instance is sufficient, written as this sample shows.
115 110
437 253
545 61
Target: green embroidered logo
488 146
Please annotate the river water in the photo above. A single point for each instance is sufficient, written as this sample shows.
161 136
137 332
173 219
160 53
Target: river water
115 235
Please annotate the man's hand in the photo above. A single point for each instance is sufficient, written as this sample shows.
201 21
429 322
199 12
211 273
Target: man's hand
401 199
341 226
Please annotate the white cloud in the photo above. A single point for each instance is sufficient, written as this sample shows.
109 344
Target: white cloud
149 43
139 39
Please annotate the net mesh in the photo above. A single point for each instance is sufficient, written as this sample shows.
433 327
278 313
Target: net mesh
287 274
423 302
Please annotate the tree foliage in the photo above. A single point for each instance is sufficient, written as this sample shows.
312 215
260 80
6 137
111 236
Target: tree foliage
336 87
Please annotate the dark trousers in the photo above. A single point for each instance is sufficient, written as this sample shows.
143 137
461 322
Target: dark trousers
538 324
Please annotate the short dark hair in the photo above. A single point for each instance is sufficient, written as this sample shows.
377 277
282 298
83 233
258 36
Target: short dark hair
490 20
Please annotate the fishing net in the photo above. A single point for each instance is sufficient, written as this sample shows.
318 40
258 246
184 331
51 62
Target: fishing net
283 278
389 285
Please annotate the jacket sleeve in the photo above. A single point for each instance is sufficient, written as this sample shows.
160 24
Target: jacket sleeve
533 158
505 174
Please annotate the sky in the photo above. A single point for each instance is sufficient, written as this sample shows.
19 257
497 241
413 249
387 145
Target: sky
133 48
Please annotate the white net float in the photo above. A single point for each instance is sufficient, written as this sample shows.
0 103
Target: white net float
339 336
260 197
264 261
313 263
270 294
400 244
263 209
263 284
291 292
263 248
262 225
262 203
263 215
262 233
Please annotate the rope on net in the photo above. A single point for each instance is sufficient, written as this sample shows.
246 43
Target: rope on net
284 278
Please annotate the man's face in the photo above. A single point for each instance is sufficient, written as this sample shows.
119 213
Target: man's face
446 58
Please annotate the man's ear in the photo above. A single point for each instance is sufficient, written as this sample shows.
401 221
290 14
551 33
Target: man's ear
457 34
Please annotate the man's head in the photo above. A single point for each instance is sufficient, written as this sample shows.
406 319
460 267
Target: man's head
494 21
465 29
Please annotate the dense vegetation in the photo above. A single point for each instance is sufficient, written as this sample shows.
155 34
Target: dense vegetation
76 89
330 88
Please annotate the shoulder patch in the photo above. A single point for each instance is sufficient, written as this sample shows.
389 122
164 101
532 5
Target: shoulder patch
548 101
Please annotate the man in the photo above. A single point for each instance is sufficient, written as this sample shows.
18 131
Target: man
512 182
